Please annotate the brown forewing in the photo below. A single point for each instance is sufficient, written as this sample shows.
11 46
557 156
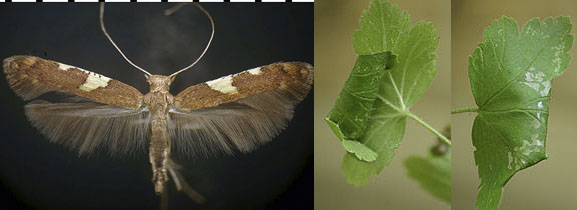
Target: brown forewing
274 77
31 76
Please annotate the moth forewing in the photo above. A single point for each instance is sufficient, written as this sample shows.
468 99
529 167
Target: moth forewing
31 77
293 79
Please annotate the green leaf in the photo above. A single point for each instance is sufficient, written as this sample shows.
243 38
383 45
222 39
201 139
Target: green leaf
336 128
410 69
433 173
349 116
511 75
361 151
382 29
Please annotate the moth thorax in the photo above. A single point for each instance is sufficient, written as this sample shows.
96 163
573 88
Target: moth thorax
159 83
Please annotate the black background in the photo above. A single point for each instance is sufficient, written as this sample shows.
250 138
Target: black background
39 175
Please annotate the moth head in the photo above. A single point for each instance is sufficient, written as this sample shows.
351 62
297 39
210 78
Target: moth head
159 83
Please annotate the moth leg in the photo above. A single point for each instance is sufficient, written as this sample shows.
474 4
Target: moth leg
182 185
164 200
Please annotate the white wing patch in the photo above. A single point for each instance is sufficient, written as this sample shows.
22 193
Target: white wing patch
94 81
65 67
223 85
255 71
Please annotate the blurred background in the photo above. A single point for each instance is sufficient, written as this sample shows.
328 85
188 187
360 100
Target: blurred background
335 22
551 184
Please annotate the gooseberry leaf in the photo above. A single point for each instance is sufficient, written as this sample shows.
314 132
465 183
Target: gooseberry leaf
510 75
378 121
433 173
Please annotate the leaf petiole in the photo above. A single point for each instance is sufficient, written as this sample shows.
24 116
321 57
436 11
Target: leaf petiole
428 127
464 110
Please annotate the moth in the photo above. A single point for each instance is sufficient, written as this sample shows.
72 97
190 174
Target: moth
237 112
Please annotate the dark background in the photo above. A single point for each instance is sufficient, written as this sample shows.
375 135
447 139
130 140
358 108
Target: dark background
39 175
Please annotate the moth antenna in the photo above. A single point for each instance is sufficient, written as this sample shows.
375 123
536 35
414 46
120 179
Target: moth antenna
173 9
176 8
114 44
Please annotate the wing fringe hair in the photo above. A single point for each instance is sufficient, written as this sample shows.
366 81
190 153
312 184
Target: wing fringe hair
88 127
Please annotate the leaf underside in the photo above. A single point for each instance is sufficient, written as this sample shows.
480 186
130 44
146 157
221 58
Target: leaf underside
374 113
511 74
433 173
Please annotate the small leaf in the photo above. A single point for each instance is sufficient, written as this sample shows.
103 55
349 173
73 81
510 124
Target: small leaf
511 75
378 121
433 173
361 151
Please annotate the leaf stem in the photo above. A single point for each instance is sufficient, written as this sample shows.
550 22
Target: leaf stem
469 109
428 127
